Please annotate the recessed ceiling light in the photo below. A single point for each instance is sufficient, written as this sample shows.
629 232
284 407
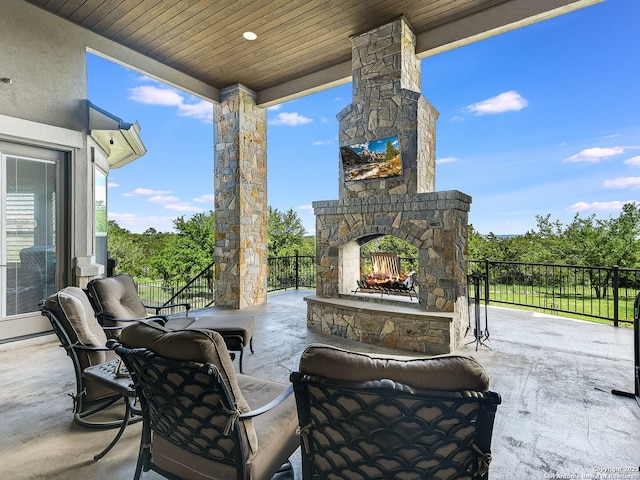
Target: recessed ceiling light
249 36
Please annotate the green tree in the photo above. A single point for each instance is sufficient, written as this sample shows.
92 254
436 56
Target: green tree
390 244
481 247
190 250
286 234
623 248
124 247
585 241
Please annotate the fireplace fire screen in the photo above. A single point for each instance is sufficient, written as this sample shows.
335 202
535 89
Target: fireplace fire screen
387 277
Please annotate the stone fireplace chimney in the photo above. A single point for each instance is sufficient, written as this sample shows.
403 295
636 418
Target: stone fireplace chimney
387 105
387 102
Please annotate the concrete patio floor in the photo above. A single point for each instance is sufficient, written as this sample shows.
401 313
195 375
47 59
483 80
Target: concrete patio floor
558 418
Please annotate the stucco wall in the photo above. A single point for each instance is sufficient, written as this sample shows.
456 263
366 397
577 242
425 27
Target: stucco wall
46 65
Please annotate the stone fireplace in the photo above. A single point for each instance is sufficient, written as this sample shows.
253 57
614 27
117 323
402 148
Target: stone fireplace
387 103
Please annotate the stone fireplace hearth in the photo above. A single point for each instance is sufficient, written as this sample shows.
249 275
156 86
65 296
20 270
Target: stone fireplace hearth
387 103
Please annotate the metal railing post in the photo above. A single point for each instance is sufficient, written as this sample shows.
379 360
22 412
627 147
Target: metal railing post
616 285
486 282
297 271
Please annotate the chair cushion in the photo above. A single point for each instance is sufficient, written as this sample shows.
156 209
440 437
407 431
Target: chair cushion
72 308
75 315
202 346
441 372
275 430
117 297
227 326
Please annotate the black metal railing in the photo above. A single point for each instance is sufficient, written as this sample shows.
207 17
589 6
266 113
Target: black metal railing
296 271
198 291
603 293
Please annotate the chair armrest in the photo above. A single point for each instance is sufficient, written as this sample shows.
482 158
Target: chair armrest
102 317
273 403
89 348
157 308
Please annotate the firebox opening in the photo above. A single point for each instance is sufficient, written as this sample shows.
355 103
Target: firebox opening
383 265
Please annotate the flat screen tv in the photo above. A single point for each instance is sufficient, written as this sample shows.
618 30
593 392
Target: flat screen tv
373 159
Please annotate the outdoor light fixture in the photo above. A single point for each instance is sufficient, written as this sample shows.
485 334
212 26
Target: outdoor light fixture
249 36
6 80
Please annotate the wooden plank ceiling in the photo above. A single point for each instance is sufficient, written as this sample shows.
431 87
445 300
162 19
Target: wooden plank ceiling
296 38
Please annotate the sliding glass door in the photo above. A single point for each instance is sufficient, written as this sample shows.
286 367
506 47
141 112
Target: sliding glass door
28 204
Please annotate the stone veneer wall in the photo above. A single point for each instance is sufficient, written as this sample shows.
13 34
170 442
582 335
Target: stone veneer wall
240 185
387 102
390 326
436 223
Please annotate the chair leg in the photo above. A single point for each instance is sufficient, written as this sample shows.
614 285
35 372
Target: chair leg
251 345
241 355
79 417
125 422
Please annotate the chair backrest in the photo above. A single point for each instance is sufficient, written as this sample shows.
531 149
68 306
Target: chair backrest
117 297
73 320
376 417
190 399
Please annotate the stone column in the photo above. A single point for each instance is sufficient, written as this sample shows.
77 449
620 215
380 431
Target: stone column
240 185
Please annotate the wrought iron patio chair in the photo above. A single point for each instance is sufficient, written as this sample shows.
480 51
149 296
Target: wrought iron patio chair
116 299
370 416
101 379
197 413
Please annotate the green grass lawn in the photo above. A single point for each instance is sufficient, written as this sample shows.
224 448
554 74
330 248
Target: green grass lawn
583 306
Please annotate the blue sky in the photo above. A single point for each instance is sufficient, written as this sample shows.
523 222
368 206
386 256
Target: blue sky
541 120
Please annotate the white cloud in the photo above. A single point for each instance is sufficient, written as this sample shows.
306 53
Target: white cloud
152 95
184 207
274 108
457 118
598 206
446 160
623 182
505 102
307 208
113 185
292 119
163 199
146 191
201 110
169 97
322 142
595 154
633 161
207 198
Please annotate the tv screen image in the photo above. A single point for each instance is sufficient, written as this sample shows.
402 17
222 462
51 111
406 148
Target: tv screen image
373 159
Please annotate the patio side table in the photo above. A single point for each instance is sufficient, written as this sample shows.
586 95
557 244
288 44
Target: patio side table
114 375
